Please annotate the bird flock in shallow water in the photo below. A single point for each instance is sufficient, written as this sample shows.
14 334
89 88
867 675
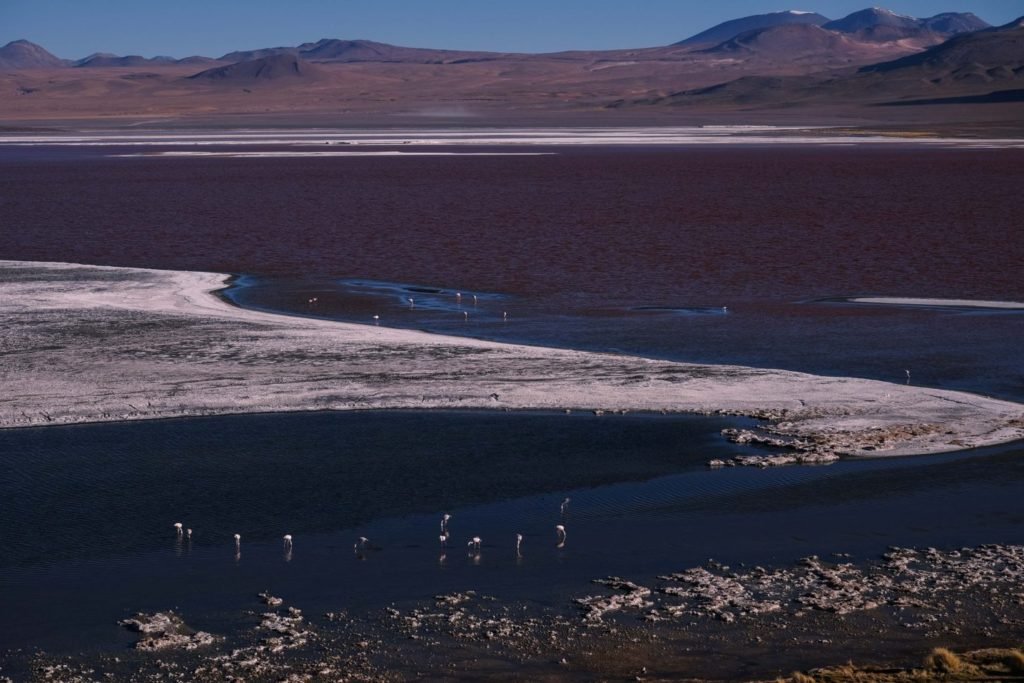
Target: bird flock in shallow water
412 305
363 544
458 300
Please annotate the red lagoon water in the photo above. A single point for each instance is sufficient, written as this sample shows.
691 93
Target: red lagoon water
635 226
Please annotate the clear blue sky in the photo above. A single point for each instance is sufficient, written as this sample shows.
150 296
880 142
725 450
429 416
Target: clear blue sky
179 28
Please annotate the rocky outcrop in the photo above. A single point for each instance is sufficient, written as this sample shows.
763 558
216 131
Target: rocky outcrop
632 596
777 460
918 583
165 631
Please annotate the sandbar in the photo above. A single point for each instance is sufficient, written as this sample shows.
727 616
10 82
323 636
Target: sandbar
84 343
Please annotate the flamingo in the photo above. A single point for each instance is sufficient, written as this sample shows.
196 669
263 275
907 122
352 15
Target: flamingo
444 523
238 540
565 504
474 543
519 542
560 530
177 527
287 540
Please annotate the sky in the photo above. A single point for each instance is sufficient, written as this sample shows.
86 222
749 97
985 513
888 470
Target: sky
76 28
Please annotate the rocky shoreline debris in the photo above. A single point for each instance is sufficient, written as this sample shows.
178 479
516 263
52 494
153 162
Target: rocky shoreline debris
278 632
822 447
270 600
812 612
798 451
775 460
914 582
289 627
804 432
456 615
632 596
166 630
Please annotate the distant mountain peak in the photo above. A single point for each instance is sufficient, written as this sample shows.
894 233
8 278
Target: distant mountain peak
879 23
285 66
871 18
953 23
24 54
886 10
730 29
786 41
980 53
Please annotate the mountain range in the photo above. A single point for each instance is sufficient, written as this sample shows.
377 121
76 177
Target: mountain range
873 24
791 60
982 66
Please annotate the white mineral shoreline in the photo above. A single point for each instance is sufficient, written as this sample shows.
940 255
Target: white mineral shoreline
425 137
937 303
82 343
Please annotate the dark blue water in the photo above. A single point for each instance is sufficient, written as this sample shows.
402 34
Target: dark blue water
90 540
967 349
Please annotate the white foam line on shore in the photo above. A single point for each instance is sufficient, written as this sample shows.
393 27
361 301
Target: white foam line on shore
572 141
199 355
947 303
339 153
391 134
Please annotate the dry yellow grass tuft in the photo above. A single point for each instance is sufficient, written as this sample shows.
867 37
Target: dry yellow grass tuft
1003 664
1014 661
943 660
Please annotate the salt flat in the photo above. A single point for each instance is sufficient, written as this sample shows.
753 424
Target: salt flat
568 136
87 343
